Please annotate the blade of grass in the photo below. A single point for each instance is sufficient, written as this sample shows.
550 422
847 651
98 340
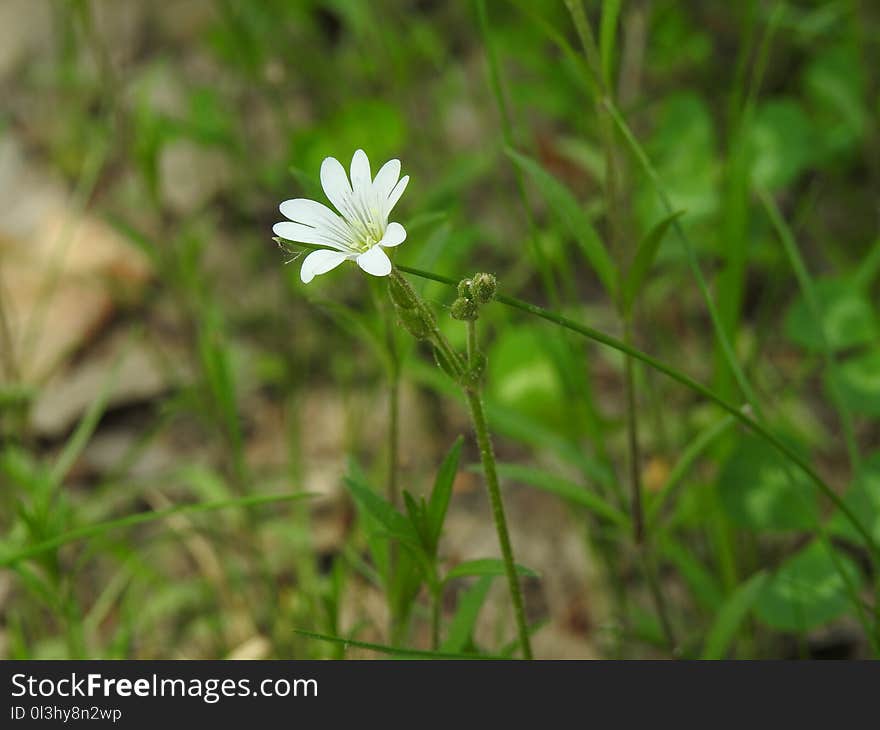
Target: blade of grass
805 281
392 650
730 616
87 531
539 259
88 423
717 324
687 459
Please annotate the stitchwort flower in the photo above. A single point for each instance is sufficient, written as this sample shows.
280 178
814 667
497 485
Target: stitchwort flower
361 231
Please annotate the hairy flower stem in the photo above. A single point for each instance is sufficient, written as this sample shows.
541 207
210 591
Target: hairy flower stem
461 370
487 456
393 412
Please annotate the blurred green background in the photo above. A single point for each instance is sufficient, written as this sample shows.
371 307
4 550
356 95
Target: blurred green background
157 352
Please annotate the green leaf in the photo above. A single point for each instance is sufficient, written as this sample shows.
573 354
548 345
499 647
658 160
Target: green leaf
781 143
523 376
863 498
608 36
848 319
462 625
701 582
760 491
807 591
644 259
858 381
730 615
485 566
442 492
564 488
835 84
416 514
684 150
570 212
395 523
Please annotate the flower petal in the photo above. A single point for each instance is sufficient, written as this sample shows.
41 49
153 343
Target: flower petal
386 179
361 178
320 262
316 215
308 212
307 234
336 185
396 193
395 234
375 262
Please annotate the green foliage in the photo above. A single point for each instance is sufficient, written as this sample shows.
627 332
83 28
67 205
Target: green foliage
173 522
858 379
807 591
848 319
760 491
522 377
863 497
731 615
485 567
571 213
644 258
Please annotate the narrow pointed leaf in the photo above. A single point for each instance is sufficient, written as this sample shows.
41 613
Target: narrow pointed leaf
486 566
564 488
644 259
395 523
442 492
731 615
462 625
566 207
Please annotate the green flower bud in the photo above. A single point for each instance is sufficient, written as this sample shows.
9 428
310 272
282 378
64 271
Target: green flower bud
414 322
400 295
464 288
483 288
464 309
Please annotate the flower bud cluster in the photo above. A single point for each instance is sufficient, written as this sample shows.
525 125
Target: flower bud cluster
480 289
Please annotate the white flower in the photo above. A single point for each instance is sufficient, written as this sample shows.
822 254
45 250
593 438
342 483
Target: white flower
363 228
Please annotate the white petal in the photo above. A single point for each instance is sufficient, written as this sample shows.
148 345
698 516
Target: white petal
320 262
396 193
361 179
307 234
395 234
386 179
314 214
308 212
375 262
335 184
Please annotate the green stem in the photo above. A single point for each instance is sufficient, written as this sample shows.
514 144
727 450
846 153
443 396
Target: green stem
632 429
741 414
484 442
487 456
471 341
393 414
540 260
436 608
805 282
657 597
